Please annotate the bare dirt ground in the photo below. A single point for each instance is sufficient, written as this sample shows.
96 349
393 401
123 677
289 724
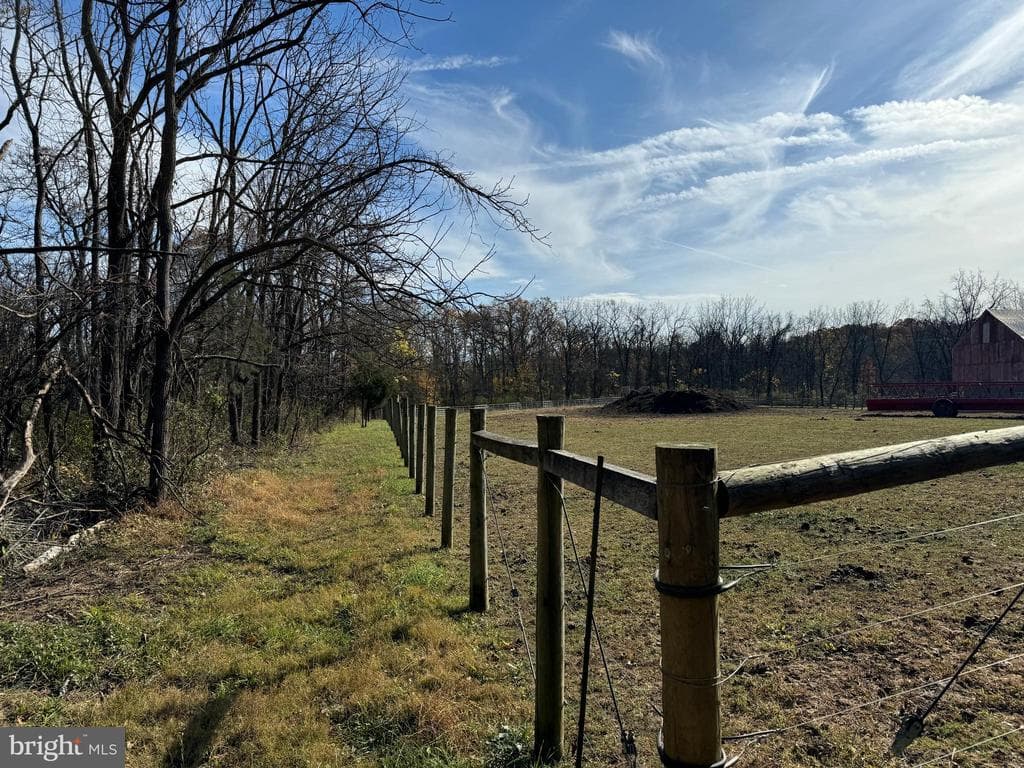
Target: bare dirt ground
838 567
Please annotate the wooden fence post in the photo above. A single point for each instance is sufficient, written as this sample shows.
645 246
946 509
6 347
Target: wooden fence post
410 437
429 470
688 580
403 423
448 478
421 429
548 727
478 598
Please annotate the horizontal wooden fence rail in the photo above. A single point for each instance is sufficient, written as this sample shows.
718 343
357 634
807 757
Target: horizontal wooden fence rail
522 451
788 483
532 405
633 490
792 483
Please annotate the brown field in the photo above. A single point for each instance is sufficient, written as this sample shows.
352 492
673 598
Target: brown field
837 570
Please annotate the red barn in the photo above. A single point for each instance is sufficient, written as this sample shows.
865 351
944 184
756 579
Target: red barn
992 349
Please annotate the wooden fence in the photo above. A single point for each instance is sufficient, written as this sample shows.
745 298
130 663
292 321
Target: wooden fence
687 497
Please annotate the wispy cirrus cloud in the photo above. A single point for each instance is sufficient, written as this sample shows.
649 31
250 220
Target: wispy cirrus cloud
983 54
639 49
457 62
798 208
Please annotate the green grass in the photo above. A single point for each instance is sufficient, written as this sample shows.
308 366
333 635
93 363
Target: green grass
305 618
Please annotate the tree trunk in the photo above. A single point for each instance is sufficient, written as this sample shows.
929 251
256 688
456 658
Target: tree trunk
160 390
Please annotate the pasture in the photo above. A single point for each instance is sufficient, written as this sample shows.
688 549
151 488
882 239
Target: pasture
305 615
839 566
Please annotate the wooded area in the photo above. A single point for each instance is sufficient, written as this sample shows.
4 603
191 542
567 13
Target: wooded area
212 214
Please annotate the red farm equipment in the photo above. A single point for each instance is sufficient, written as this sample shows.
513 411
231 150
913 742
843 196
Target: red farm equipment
947 399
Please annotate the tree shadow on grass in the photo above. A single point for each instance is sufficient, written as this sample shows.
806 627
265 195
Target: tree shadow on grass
192 747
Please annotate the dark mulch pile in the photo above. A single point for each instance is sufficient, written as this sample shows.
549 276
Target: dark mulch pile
674 401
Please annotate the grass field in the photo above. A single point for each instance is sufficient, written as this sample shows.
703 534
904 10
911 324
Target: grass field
305 616
835 572
304 619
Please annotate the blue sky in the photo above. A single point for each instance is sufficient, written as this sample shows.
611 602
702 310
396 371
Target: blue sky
803 153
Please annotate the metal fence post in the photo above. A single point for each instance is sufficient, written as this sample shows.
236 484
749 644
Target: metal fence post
478 597
548 709
689 583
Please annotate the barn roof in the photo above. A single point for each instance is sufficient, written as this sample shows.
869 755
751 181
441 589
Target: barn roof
1011 318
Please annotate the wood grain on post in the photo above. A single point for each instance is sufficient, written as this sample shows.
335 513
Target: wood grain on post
448 479
429 470
421 429
688 552
550 642
478 597
410 437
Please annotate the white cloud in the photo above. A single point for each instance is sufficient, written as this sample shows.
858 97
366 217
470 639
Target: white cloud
971 62
902 121
882 201
627 297
638 49
726 188
451 63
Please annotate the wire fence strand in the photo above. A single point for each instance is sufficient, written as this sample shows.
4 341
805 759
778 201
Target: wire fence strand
786 565
969 747
866 704
513 590
624 736
879 623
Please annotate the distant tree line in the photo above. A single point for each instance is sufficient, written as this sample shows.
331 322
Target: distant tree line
544 349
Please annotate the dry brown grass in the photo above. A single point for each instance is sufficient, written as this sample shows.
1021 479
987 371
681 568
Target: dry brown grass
798 601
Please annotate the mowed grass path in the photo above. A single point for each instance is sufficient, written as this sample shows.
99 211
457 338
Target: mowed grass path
306 618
